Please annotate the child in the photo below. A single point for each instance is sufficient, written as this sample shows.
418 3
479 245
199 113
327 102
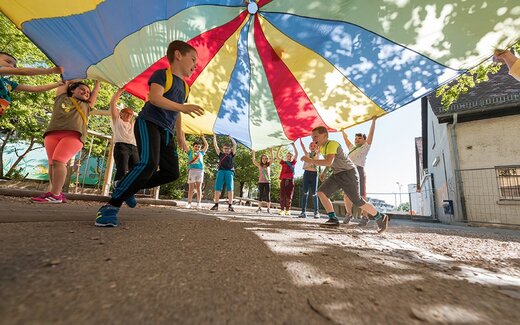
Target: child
66 134
154 129
344 176
125 146
225 172
310 180
8 68
264 180
196 170
287 180
358 155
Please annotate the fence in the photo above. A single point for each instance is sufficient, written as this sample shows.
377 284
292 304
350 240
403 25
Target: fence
491 195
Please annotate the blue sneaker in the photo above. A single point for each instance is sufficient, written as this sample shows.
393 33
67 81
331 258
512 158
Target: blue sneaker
131 202
107 216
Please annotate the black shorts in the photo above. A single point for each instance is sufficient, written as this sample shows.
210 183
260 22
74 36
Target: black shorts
264 192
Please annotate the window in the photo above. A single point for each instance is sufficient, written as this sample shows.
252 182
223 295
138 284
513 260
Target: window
508 178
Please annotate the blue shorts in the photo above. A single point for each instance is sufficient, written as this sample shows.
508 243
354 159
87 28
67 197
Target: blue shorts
224 176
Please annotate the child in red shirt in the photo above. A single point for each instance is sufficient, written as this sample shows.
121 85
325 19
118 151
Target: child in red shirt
287 180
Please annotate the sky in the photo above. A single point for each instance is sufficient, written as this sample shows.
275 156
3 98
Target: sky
392 155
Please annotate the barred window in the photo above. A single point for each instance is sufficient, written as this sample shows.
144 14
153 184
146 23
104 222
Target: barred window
508 178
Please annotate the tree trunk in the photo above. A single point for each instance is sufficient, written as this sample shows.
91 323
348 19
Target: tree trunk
21 157
241 192
2 147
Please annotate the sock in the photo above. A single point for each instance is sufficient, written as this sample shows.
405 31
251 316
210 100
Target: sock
332 215
377 216
230 204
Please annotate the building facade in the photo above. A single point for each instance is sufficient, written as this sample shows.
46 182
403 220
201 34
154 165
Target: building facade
471 154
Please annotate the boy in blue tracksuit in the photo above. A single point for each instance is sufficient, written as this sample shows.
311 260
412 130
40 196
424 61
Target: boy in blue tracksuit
154 129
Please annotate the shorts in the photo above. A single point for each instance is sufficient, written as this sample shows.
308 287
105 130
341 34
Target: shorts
195 176
348 181
61 146
224 176
264 192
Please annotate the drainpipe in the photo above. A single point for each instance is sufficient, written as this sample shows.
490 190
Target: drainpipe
458 180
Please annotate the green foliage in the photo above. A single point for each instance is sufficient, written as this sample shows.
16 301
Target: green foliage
404 207
451 92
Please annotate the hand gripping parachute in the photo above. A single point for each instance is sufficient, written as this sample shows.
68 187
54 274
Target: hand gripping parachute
270 71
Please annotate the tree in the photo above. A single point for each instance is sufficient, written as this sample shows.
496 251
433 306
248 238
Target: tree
449 93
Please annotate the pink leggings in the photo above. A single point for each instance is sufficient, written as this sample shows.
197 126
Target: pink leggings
62 145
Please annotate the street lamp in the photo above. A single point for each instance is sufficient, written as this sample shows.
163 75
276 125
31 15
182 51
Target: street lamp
399 185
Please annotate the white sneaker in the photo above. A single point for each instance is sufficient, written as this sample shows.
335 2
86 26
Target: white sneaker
199 206
188 206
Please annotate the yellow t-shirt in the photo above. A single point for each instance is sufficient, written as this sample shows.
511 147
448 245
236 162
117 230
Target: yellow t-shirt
341 160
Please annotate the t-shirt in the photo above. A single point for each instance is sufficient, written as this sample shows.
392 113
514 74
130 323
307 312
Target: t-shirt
65 116
341 161
287 171
358 155
310 166
226 161
123 132
160 116
6 86
197 164
264 173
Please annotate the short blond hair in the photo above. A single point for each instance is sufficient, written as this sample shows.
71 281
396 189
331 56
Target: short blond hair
320 130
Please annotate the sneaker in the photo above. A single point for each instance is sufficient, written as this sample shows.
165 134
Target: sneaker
258 210
287 212
48 198
282 212
382 223
199 206
107 216
230 209
214 207
302 215
268 211
363 222
347 219
188 206
317 215
331 223
131 202
63 198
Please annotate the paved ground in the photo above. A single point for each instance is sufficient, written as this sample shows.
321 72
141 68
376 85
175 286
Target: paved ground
168 265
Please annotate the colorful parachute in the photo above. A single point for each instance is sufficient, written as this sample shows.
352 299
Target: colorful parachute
269 71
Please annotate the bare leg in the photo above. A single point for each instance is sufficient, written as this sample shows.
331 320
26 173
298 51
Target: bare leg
348 205
230 197
59 174
190 192
216 197
325 201
198 186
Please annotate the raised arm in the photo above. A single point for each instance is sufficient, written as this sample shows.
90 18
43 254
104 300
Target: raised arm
206 146
37 89
114 112
215 144
12 71
234 148
345 138
94 93
303 148
372 129
295 151
254 159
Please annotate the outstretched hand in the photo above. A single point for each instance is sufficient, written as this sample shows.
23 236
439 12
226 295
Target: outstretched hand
191 109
